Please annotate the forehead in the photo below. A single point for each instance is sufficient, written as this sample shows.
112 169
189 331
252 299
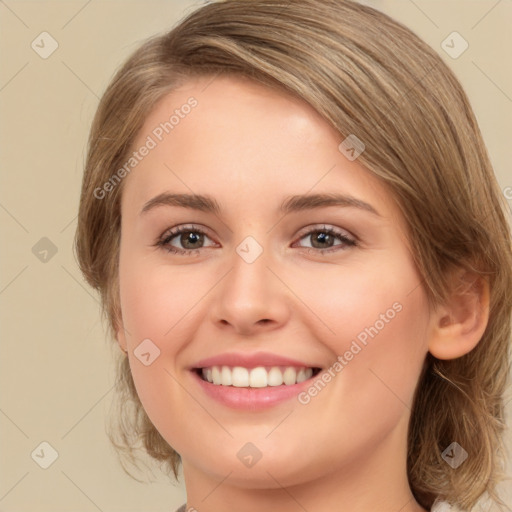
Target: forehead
244 143
237 106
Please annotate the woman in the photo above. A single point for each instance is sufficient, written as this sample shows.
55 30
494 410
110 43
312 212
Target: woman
364 374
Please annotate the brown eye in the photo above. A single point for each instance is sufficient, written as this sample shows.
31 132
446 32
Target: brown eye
323 240
183 240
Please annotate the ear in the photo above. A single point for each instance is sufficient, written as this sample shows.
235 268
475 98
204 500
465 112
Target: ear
460 322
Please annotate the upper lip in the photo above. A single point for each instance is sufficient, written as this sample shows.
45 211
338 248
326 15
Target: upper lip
251 360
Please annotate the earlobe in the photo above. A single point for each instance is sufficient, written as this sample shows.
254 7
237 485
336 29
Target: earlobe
459 324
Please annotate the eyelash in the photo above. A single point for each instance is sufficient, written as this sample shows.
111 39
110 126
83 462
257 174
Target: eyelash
165 240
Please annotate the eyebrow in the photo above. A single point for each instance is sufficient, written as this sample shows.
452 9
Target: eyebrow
291 204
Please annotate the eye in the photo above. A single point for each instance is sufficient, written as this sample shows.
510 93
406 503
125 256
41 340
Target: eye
323 238
190 237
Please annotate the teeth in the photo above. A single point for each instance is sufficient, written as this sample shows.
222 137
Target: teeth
301 375
275 377
239 377
290 376
225 376
259 377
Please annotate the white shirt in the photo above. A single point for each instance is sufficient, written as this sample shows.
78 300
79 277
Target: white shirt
442 506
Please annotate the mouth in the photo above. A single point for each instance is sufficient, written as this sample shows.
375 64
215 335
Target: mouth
257 377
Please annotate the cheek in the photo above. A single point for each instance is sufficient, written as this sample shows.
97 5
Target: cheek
155 301
377 322
154 306
394 349
350 298
371 388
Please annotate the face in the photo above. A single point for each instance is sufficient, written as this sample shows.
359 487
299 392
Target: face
324 295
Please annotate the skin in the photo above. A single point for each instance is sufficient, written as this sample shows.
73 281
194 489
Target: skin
249 147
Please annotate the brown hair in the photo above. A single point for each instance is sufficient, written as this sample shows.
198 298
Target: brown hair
367 75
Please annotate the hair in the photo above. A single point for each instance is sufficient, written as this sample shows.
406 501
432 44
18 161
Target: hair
370 76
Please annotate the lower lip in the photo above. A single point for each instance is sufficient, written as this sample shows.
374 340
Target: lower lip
251 398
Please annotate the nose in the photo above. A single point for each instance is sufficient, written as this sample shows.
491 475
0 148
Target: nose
251 297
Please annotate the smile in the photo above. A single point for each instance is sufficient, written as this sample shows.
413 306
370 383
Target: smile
258 377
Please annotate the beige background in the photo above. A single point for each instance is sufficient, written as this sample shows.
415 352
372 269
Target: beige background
56 373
